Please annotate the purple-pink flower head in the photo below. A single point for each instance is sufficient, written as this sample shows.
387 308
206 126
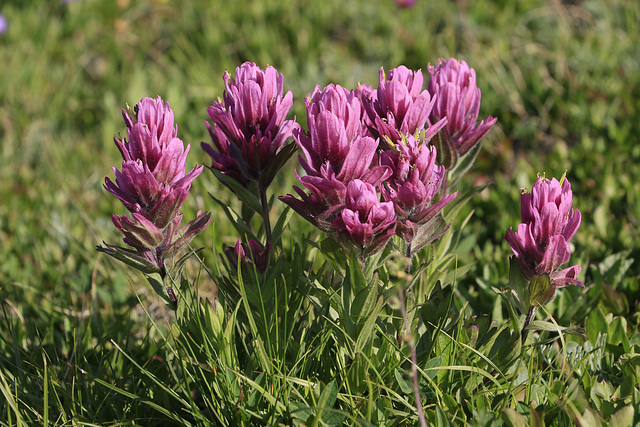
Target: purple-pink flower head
453 84
400 105
249 255
415 181
249 126
336 135
335 152
327 195
541 242
150 130
153 181
365 222
152 184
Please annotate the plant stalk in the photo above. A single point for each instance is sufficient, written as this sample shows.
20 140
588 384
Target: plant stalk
414 359
527 320
266 223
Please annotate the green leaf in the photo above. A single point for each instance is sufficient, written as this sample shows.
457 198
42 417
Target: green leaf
616 301
539 325
456 205
513 318
513 419
428 232
404 380
534 418
276 163
596 325
618 333
464 164
623 417
325 404
506 349
432 363
442 418
435 310
519 284
129 257
334 254
156 282
283 220
358 282
247 198
176 267
367 328
255 395
300 411
541 290
363 303
238 223
446 149
187 303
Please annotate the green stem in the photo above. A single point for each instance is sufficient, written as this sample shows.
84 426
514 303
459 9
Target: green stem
527 320
265 213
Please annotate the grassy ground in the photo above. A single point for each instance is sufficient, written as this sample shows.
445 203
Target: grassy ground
84 339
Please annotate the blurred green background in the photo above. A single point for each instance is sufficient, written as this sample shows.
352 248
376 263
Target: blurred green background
562 77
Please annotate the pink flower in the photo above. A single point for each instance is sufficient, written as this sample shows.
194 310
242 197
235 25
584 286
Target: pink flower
4 24
453 85
153 181
334 119
400 105
249 126
335 151
541 242
415 180
152 184
405 3
365 222
412 187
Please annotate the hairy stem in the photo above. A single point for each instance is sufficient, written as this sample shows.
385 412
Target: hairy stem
414 359
527 320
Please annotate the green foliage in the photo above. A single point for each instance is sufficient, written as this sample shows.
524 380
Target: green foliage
316 339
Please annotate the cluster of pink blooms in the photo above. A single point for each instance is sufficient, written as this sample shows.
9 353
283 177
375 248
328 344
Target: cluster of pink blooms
370 171
370 167
153 185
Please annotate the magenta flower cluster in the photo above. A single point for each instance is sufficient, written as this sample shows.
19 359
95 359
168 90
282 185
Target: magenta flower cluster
541 241
153 184
249 126
370 167
369 170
